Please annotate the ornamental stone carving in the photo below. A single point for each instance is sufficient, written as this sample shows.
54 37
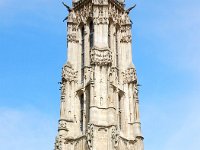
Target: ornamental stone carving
68 73
100 2
126 34
126 39
90 135
62 125
63 90
80 16
118 16
101 56
130 76
72 38
89 10
58 143
115 137
100 20
126 29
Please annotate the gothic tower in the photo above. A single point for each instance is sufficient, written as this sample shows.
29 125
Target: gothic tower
99 88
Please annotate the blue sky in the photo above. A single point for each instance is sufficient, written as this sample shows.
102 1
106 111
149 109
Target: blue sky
166 52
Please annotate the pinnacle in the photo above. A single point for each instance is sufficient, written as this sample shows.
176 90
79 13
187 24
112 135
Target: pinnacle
131 65
68 64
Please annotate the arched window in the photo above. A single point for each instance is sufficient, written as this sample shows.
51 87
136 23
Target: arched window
82 52
91 34
81 111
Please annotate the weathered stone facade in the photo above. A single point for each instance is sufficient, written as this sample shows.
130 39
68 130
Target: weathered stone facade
99 88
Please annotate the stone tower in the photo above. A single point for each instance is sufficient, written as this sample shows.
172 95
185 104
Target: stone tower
99 88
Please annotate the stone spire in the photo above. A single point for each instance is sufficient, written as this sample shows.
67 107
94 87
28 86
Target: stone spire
99 86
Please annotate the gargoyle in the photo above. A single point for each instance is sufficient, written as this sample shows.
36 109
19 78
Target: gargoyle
65 19
128 10
68 8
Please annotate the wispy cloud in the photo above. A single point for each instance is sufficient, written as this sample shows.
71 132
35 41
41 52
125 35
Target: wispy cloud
188 134
174 29
12 11
171 122
27 128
